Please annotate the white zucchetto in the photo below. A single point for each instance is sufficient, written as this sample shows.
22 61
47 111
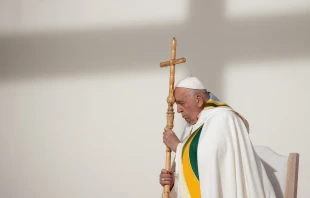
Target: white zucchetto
190 83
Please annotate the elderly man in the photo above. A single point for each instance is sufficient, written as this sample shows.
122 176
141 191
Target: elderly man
216 159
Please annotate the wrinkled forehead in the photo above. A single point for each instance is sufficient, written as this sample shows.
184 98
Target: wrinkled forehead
180 93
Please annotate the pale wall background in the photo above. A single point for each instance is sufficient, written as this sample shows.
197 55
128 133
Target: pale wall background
83 100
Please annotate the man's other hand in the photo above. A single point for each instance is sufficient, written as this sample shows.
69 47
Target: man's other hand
166 177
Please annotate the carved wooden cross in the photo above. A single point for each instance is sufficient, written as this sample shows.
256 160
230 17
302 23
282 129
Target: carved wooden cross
170 101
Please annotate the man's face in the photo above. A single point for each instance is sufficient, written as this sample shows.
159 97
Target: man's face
187 105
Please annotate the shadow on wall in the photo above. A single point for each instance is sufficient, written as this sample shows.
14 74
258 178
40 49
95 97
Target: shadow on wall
207 39
214 40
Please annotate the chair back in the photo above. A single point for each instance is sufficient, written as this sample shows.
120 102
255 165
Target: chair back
281 170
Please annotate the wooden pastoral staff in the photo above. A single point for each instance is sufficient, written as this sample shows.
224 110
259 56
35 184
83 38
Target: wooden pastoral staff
170 101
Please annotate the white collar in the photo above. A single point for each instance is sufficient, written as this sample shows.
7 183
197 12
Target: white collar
203 116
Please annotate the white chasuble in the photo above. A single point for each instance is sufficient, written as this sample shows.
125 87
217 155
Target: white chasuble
217 160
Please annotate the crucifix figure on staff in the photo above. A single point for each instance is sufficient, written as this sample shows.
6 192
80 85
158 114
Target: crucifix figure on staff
216 158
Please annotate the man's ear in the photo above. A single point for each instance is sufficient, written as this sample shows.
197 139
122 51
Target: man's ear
199 101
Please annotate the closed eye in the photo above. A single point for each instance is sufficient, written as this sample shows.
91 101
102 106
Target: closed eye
180 102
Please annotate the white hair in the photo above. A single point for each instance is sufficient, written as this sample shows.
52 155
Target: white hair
200 92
